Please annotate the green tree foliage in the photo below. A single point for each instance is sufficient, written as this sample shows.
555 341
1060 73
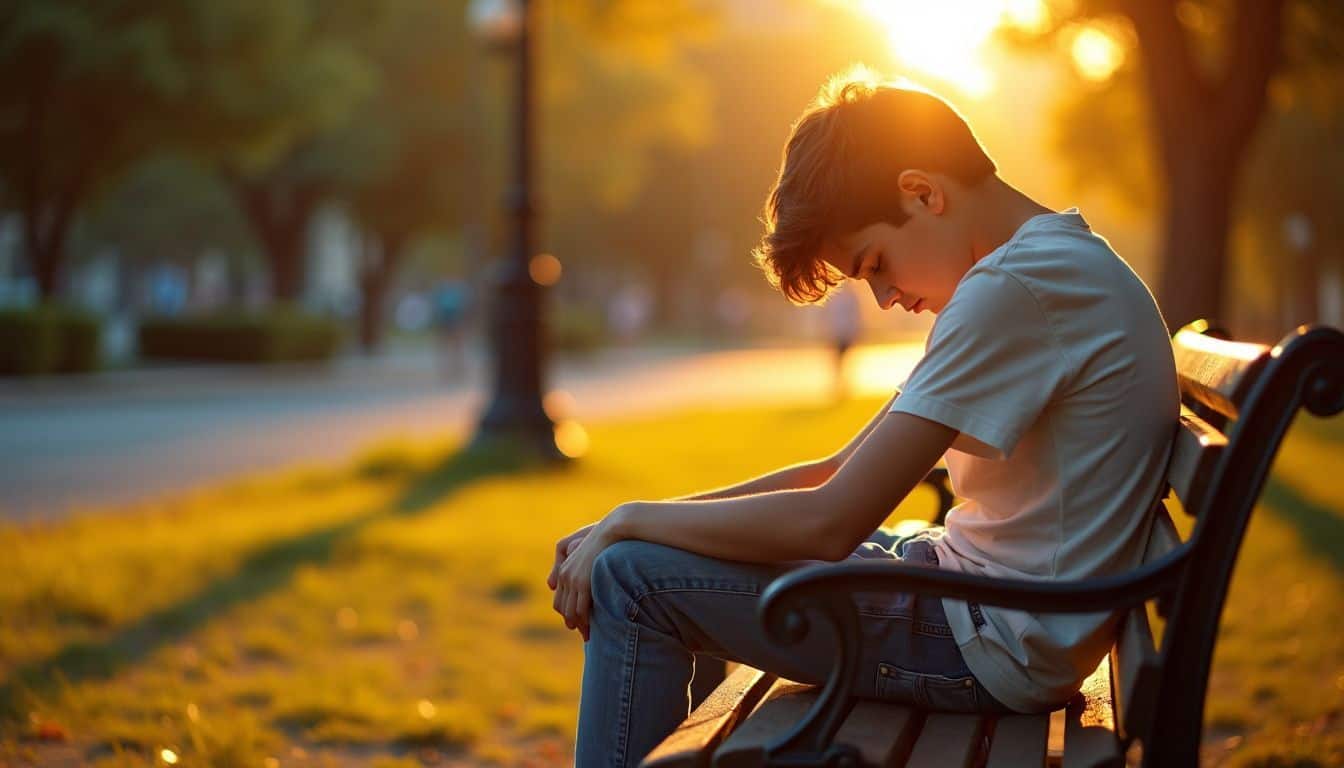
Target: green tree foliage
86 88
689 231
412 127
280 83
169 208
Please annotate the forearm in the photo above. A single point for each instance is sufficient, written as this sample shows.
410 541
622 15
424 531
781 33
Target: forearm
806 475
761 528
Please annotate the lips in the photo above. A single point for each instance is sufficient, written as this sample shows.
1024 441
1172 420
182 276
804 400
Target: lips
917 307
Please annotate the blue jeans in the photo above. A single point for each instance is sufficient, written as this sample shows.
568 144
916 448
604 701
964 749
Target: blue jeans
655 607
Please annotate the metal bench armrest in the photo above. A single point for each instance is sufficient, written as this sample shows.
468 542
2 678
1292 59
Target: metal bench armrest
826 590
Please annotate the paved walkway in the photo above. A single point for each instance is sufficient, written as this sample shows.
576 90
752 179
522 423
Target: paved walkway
129 436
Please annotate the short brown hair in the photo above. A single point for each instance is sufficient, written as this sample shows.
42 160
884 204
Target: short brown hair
840 169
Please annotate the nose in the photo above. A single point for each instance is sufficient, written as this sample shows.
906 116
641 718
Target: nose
884 298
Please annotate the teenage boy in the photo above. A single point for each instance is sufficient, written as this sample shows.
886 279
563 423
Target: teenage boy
1047 383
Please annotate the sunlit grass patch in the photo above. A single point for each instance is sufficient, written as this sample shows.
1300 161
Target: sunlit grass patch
396 609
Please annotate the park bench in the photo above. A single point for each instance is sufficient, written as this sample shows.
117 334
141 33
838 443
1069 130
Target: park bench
1145 702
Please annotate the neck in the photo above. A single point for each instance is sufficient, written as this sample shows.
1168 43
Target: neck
1005 210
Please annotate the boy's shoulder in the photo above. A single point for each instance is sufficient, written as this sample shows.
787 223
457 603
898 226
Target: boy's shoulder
1059 263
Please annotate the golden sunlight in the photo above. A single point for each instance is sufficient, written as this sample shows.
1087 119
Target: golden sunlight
1096 55
946 39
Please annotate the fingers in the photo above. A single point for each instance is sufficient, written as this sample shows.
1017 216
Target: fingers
558 602
581 611
553 579
571 598
561 552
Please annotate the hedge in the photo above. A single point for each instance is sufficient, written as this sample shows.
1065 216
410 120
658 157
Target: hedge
49 339
278 335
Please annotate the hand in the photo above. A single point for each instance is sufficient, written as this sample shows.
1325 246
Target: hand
573 592
562 549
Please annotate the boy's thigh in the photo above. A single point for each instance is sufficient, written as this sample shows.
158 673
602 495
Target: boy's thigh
709 605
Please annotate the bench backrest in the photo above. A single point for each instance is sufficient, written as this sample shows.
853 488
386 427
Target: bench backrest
1238 400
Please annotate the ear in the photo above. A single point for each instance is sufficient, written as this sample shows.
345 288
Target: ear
922 189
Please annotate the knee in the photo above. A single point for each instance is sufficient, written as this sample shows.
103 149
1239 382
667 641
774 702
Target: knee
622 564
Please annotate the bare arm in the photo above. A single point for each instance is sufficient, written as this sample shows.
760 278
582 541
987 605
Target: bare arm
885 461
825 522
806 475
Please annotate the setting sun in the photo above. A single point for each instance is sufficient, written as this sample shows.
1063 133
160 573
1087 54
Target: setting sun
946 40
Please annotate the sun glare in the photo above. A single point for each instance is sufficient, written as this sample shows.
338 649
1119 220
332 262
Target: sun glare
945 39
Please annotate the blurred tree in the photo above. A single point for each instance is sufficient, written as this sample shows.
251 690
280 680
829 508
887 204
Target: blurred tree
1206 71
278 83
1290 203
693 226
1204 159
611 65
168 208
416 143
86 89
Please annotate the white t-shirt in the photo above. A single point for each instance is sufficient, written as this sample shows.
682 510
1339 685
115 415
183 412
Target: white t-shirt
1053 362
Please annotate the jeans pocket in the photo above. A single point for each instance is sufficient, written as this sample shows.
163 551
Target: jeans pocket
927 690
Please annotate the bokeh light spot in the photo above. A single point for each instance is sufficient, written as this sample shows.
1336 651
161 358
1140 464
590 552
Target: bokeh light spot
558 404
571 438
1096 55
545 269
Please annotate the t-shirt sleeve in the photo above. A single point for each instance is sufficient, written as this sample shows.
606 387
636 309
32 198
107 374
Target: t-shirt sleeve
991 365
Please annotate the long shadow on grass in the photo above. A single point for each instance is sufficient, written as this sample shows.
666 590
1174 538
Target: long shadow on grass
266 570
1320 528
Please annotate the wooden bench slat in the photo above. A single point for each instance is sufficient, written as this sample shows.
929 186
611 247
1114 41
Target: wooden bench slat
784 704
1090 740
1019 742
1135 668
712 721
1214 372
1198 446
882 732
948 740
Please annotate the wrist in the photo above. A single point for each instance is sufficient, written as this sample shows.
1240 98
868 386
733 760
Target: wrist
618 523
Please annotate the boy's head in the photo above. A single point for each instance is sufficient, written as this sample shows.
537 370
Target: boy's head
864 192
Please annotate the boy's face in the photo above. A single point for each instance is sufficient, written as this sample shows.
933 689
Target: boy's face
915 266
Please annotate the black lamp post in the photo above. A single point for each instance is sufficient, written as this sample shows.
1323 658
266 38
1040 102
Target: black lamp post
515 412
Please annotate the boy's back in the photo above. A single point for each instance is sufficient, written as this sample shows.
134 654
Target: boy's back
1053 363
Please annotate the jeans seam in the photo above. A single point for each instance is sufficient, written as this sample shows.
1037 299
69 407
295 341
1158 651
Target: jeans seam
633 610
631 660
919 626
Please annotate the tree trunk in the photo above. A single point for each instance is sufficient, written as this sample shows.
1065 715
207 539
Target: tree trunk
1194 243
380 264
279 214
1202 124
46 264
44 245
286 250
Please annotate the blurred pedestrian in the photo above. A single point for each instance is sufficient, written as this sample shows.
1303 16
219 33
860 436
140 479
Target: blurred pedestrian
843 323
452 305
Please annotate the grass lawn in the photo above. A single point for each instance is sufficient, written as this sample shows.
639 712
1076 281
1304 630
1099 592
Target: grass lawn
394 612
